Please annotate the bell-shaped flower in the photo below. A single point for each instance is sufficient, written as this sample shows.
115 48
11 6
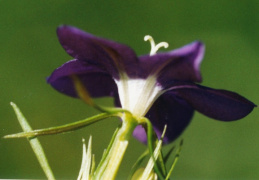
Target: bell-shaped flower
159 86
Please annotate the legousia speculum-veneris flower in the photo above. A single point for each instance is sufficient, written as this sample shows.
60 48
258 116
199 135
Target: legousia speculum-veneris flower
158 89
160 86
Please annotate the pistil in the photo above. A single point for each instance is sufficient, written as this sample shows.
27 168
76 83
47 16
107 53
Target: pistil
154 47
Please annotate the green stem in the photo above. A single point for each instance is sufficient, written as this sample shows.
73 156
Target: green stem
110 166
63 128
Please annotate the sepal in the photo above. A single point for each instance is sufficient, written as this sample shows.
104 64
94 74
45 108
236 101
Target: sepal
63 128
87 166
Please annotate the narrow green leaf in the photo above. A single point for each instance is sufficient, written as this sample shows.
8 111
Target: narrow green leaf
175 160
152 161
63 128
150 135
99 169
137 163
35 143
161 163
168 154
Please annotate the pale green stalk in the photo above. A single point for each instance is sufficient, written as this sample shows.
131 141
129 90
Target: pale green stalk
111 164
35 143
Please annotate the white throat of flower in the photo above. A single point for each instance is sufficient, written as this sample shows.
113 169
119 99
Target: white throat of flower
138 95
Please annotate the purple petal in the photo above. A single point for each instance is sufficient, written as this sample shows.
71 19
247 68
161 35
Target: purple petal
167 110
180 64
112 56
96 80
218 104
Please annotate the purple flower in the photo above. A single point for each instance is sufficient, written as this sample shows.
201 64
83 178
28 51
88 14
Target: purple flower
159 86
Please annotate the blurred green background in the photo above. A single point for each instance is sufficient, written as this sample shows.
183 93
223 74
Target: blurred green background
30 51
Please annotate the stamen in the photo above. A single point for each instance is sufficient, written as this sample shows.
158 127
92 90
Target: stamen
154 47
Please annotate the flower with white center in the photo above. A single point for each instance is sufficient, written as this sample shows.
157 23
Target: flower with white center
159 86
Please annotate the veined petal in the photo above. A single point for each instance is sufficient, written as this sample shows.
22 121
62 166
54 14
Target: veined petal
180 64
107 68
218 104
167 110
97 81
176 106
112 56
